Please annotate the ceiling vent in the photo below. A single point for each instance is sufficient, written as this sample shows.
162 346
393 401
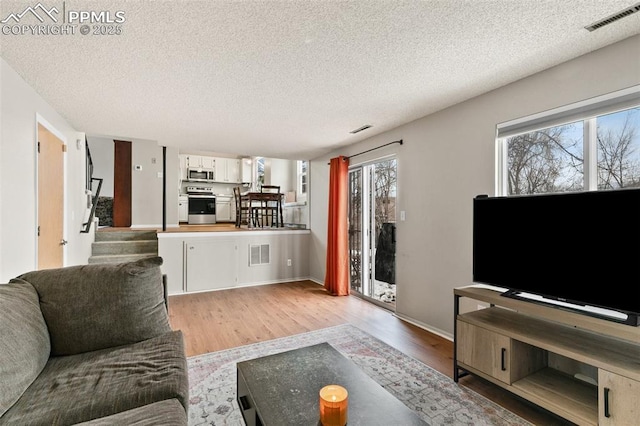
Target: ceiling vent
615 17
359 129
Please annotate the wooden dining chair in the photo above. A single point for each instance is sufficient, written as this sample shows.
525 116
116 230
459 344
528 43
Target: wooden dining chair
270 208
242 211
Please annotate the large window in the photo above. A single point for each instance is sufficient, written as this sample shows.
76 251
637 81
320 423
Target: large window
588 152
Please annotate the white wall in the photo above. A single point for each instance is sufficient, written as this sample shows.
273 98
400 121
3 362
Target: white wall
146 185
102 155
21 107
280 174
449 157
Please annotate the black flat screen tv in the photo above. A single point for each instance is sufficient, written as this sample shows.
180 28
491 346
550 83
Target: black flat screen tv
577 250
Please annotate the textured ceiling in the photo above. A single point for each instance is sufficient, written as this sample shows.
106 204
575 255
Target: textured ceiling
291 79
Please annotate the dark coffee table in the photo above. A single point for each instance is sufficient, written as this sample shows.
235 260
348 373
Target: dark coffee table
283 390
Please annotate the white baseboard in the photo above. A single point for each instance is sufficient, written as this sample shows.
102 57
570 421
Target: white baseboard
426 327
253 284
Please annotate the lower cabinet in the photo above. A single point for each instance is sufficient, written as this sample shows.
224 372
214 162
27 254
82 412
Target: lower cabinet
499 356
210 264
183 209
620 399
223 210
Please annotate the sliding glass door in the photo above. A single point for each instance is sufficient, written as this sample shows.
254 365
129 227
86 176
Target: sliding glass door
372 221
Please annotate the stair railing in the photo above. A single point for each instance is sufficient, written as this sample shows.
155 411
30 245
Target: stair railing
94 203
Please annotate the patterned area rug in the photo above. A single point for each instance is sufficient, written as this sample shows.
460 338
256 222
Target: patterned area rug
436 398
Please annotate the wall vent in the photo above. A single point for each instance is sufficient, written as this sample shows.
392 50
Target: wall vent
615 17
259 254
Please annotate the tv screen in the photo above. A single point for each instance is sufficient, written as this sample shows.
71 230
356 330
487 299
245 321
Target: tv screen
577 250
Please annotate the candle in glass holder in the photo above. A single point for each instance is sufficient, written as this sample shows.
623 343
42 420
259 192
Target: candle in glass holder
333 405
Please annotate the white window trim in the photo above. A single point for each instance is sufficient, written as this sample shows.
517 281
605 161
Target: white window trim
585 111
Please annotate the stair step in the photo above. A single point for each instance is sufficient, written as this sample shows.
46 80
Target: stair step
119 258
124 247
128 235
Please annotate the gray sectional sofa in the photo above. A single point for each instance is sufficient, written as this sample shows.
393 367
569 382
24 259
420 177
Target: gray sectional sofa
91 345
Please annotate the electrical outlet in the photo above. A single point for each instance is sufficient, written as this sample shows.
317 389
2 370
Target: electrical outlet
288 262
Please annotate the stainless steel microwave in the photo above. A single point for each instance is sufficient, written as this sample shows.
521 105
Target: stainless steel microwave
199 175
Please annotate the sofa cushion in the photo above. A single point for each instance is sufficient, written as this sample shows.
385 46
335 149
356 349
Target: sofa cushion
24 341
97 306
87 386
164 413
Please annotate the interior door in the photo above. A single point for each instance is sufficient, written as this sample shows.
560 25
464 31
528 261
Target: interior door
50 199
372 217
122 184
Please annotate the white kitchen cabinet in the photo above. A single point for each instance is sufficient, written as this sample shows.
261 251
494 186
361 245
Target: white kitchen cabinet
183 166
227 170
223 209
193 161
208 163
200 162
246 175
183 209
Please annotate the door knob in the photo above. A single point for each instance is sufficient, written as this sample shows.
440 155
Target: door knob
63 242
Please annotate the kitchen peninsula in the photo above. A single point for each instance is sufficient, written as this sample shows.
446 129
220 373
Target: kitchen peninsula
215 257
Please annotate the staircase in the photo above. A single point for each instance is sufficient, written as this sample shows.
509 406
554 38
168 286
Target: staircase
123 246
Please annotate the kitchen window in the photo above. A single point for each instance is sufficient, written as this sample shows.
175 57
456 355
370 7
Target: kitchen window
259 162
303 183
591 145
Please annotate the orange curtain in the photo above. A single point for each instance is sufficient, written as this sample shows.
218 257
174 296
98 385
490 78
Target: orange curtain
336 280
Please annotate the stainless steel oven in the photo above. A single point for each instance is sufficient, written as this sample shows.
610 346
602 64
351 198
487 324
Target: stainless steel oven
202 209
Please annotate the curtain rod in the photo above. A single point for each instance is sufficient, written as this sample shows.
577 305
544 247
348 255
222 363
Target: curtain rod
372 149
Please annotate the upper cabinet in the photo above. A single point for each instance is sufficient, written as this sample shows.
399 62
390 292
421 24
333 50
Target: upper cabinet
183 166
200 162
227 170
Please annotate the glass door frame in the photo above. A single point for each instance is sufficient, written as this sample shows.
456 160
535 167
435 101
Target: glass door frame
366 243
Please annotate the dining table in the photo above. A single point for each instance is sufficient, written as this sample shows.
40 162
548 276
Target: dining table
258 200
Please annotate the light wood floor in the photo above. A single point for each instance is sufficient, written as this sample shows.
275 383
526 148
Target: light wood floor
224 319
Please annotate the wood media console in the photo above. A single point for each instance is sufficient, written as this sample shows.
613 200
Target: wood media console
582 368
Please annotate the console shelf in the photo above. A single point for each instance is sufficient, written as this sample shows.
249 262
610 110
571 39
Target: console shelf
536 351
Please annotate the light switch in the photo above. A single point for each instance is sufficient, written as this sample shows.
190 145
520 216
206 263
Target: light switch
159 174
403 216
138 167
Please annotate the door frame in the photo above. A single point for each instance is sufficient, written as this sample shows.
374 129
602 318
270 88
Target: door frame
367 262
40 120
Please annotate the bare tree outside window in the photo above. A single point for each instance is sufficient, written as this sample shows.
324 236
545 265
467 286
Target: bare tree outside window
619 150
552 159
385 180
546 160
